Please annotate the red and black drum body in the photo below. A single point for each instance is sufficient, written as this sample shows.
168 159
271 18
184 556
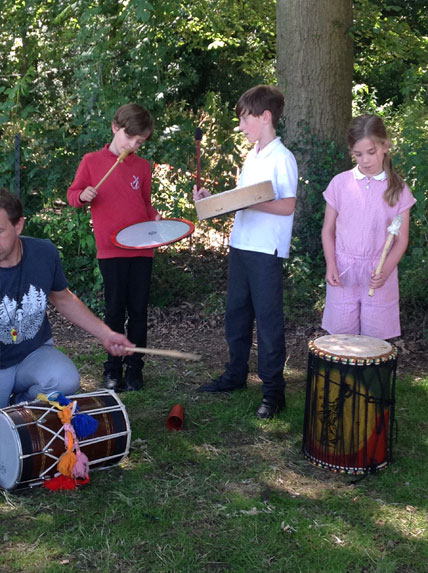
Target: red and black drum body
350 399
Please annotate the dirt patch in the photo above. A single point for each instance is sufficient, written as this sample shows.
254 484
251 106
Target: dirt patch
187 329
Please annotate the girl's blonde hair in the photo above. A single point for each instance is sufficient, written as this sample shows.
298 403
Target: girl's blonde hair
372 126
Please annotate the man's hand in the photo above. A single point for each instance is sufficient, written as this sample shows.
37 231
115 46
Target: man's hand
115 344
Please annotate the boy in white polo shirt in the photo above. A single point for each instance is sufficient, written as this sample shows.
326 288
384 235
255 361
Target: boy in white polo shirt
260 239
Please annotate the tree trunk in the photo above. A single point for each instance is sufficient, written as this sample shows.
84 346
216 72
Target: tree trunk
315 70
315 66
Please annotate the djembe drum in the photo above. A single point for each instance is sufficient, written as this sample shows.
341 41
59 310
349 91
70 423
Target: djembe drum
350 397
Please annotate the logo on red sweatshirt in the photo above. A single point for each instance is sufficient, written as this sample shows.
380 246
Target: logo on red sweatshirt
136 182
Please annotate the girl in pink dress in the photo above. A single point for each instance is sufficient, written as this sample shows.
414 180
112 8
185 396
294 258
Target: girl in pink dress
361 204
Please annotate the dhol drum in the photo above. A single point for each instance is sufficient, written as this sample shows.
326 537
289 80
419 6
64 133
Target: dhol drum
152 234
32 438
350 398
234 199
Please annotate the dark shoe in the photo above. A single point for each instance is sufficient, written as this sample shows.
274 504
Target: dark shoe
113 380
268 409
219 385
133 379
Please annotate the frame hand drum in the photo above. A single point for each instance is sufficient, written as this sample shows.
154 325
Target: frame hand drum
32 438
350 398
234 199
152 234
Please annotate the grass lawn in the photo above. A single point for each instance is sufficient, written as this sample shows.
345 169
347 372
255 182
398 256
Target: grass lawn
228 493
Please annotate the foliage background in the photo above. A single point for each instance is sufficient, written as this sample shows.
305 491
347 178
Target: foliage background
67 66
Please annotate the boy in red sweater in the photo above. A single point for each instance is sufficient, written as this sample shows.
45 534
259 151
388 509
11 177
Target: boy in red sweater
121 200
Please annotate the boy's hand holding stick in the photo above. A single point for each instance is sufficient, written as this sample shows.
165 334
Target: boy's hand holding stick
393 230
119 160
198 191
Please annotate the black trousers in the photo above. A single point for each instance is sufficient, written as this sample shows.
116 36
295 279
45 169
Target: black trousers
126 294
255 292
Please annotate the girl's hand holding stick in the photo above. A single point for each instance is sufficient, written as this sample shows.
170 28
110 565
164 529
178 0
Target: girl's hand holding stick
393 230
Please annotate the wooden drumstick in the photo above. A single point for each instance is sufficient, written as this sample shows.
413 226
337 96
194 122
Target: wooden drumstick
165 352
393 230
198 137
119 160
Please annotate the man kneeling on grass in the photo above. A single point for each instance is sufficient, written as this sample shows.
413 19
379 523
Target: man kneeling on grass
31 274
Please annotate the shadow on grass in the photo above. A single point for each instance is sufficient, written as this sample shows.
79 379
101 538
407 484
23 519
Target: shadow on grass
228 493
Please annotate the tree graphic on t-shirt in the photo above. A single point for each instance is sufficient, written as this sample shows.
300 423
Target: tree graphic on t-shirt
26 319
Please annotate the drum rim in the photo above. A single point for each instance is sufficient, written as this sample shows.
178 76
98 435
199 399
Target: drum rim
352 359
18 445
190 230
342 469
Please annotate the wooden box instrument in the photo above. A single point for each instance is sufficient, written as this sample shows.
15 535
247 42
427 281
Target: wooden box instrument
234 199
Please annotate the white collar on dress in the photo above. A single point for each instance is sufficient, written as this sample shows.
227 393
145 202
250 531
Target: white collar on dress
358 175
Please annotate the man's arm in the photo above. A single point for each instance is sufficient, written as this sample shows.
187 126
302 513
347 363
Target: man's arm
70 306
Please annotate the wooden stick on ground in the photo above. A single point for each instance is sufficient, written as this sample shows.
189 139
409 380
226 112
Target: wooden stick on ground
165 352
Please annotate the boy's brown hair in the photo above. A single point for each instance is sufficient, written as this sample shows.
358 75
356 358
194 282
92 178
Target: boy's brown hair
135 119
260 98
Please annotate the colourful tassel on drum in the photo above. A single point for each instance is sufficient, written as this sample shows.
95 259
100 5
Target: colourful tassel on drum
73 465
65 414
66 463
59 483
62 400
84 425
81 467
63 483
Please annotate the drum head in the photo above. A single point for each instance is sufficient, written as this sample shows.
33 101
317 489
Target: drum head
152 234
10 452
353 346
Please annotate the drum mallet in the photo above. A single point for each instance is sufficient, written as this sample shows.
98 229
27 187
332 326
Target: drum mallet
198 137
118 160
165 352
393 230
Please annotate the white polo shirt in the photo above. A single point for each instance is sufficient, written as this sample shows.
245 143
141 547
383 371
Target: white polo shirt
265 232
